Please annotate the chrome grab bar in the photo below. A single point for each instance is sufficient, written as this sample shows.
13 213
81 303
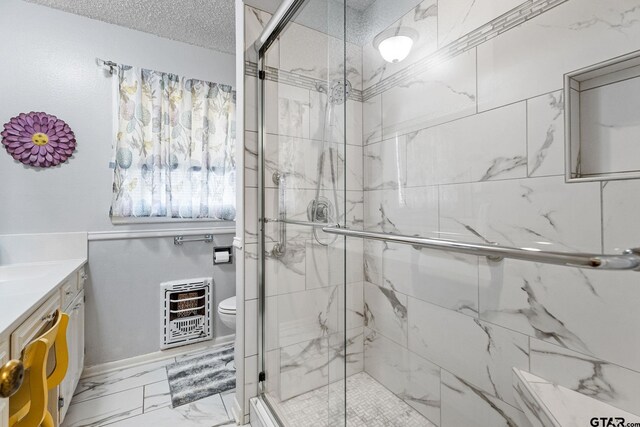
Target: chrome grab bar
297 222
628 260
207 238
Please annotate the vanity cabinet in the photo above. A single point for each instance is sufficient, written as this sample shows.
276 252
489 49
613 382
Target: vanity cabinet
4 403
75 342
31 328
68 296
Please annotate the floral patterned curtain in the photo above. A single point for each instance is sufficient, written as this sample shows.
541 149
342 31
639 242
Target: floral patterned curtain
175 147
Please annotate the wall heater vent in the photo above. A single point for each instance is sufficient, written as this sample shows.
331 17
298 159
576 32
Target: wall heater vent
186 312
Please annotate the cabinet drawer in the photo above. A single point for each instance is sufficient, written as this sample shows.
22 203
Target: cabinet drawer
81 277
33 326
67 293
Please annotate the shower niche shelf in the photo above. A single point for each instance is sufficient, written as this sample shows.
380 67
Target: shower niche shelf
602 120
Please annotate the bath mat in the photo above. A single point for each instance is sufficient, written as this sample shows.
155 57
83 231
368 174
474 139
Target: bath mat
200 376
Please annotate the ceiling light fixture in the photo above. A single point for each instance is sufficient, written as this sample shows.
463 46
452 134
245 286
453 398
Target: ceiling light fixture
395 44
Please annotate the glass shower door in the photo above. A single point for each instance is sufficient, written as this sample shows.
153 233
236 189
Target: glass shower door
304 188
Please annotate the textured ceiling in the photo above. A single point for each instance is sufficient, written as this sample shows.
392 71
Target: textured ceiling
206 23
211 23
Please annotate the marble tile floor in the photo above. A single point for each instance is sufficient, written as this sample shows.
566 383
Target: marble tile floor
369 404
139 396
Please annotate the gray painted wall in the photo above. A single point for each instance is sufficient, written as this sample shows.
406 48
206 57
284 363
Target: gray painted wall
123 292
50 66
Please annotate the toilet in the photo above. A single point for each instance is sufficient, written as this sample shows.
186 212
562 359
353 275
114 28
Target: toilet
227 312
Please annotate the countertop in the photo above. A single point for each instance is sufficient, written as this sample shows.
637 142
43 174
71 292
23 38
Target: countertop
24 287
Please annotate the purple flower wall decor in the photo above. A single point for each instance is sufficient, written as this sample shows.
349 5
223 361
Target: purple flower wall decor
38 139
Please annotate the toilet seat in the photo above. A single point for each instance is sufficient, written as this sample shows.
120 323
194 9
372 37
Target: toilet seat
227 306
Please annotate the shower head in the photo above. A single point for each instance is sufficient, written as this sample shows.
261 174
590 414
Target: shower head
337 90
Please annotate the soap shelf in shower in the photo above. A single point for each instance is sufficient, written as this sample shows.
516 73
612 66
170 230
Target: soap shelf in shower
602 120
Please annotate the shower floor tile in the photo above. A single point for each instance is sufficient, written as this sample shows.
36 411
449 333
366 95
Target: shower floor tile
369 404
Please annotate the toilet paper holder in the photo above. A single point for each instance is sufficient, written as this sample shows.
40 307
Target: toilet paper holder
222 255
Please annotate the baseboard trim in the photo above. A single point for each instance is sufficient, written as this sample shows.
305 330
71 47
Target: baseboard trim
108 367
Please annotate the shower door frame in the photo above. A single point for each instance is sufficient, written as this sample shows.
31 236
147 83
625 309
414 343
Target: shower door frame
287 10
285 13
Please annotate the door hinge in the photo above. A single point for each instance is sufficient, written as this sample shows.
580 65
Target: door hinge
262 377
262 75
60 402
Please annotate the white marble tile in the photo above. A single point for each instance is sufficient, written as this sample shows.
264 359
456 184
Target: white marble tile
294 158
156 396
319 362
328 121
440 94
373 261
545 134
480 353
572 409
595 378
106 409
465 405
250 159
445 279
354 295
298 160
385 311
285 273
301 316
209 411
251 103
481 147
273 105
385 164
250 215
123 379
557 305
535 411
372 120
350 362
327 265
582 33
411 211
409 376
609 128
250 271
251 327
254 22
315 54
620 204
352 210
293 111
459 17
423 19
544 213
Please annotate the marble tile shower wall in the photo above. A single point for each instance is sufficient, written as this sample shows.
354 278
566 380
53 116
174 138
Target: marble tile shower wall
305 287
471 147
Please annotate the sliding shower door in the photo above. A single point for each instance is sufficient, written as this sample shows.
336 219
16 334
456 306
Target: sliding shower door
304 187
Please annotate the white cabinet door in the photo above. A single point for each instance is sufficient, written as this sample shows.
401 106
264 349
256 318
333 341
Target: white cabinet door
80 340
4 403
75 343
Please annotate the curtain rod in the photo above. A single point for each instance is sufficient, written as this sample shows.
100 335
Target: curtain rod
109 65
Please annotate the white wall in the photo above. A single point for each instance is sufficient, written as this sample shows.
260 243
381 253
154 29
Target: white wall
49 64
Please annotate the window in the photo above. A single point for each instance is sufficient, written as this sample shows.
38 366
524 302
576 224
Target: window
174 153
